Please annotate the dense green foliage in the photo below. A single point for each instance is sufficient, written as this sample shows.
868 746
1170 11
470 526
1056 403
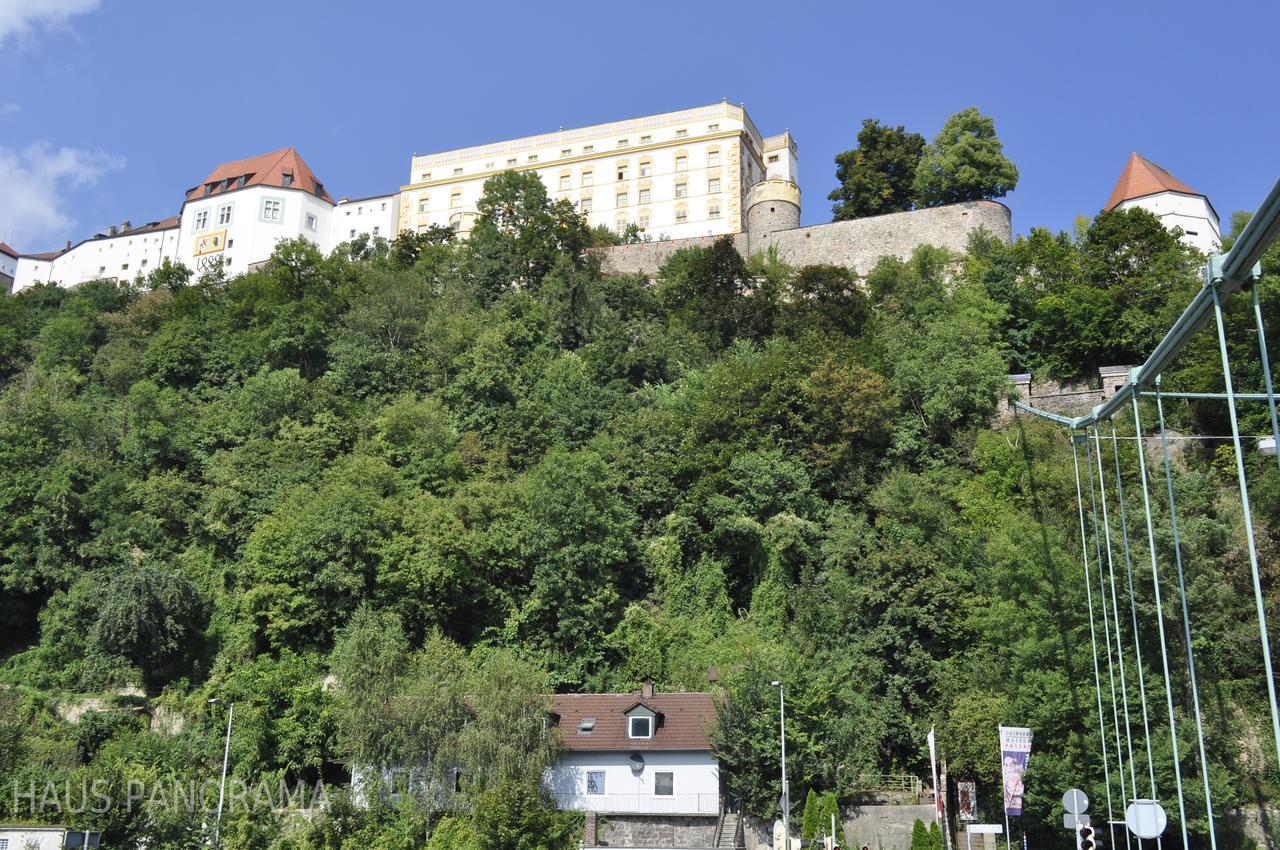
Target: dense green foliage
385 500
878 176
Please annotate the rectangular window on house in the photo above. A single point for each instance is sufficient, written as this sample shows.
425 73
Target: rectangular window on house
585 205
682 163
623 171
713 159
588 178
713 185
511 161
224 214
457 171
595 782
311 222
376 229
773 158
272 209
353 233
642 221
713 211
682 190
682 216
588 148
423 203
664 783
644 196
680 134
644 140
124 267
567 152
287 180
455 200
622 143
533 157
640 727
426 175
202 220
711 128
622 199
565 181
646 168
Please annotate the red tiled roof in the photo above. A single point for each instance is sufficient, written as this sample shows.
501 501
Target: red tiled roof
269 169
6 249
46 255
686 721
1142 177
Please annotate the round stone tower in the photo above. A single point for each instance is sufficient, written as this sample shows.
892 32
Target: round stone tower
774 203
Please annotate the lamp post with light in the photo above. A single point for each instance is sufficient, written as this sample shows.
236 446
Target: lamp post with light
782 735
226 752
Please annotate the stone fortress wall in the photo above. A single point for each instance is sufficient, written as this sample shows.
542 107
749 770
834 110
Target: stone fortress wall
855 244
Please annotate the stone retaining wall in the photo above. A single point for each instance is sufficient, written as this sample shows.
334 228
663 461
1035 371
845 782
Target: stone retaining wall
655 831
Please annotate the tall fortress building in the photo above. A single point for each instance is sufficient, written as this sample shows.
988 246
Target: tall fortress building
697 172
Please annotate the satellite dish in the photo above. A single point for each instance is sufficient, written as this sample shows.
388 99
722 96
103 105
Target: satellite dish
637 763
1146 818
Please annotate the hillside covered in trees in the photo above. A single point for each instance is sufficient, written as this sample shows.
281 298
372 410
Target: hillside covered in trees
386 499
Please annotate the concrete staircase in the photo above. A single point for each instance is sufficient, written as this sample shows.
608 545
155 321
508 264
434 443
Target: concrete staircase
730 831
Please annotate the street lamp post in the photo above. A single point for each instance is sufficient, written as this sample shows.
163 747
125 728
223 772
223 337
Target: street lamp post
226 752
782 735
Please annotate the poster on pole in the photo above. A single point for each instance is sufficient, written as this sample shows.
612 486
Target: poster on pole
967 797
933 763
1015 750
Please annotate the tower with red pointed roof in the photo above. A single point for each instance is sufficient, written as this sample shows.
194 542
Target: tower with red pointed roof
1147 185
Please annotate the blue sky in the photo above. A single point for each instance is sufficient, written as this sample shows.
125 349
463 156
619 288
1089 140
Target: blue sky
109 109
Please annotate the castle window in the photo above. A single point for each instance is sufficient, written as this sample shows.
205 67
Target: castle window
622 143
711 128
623 171
202 221
773 157
457 171
567 152
644 196
646 168
272 209
353 233
713 211
533 157
511 161
585 205
642 220
621 199
680 134
426 175
713 185
311 222
287 179
682 163
682 215
565 180
588 177
713 158
423 203
455 200
224 214
588 148
682 190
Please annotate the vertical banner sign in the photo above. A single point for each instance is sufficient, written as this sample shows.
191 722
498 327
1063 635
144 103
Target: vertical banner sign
933 763
968 794
1015 750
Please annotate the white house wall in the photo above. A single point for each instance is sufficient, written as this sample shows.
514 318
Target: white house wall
250 237
33 837
378 216
696 783
122 257
1192 213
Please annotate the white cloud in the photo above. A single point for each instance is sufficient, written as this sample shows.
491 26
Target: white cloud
9 109
21 17
36 184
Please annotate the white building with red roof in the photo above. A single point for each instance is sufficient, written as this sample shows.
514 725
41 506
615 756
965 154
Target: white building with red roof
8 266
1144 184
235 217
642 753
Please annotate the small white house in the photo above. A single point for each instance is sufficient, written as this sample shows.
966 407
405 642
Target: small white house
1144 184
26 837
638 753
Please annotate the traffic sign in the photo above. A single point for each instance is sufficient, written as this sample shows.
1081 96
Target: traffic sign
1146 818
1070 821
1075 801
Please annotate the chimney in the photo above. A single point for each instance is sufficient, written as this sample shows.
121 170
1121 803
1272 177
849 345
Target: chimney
646 690
68 248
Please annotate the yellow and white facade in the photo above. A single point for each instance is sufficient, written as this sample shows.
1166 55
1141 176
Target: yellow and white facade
675 175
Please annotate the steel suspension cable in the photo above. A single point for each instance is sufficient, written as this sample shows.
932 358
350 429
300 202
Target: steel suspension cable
1164 648
1266 370
1093 638
1115 612
1133 611
1186 621
1248 519
1106 631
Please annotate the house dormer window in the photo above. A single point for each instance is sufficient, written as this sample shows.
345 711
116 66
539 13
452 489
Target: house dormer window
640 727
